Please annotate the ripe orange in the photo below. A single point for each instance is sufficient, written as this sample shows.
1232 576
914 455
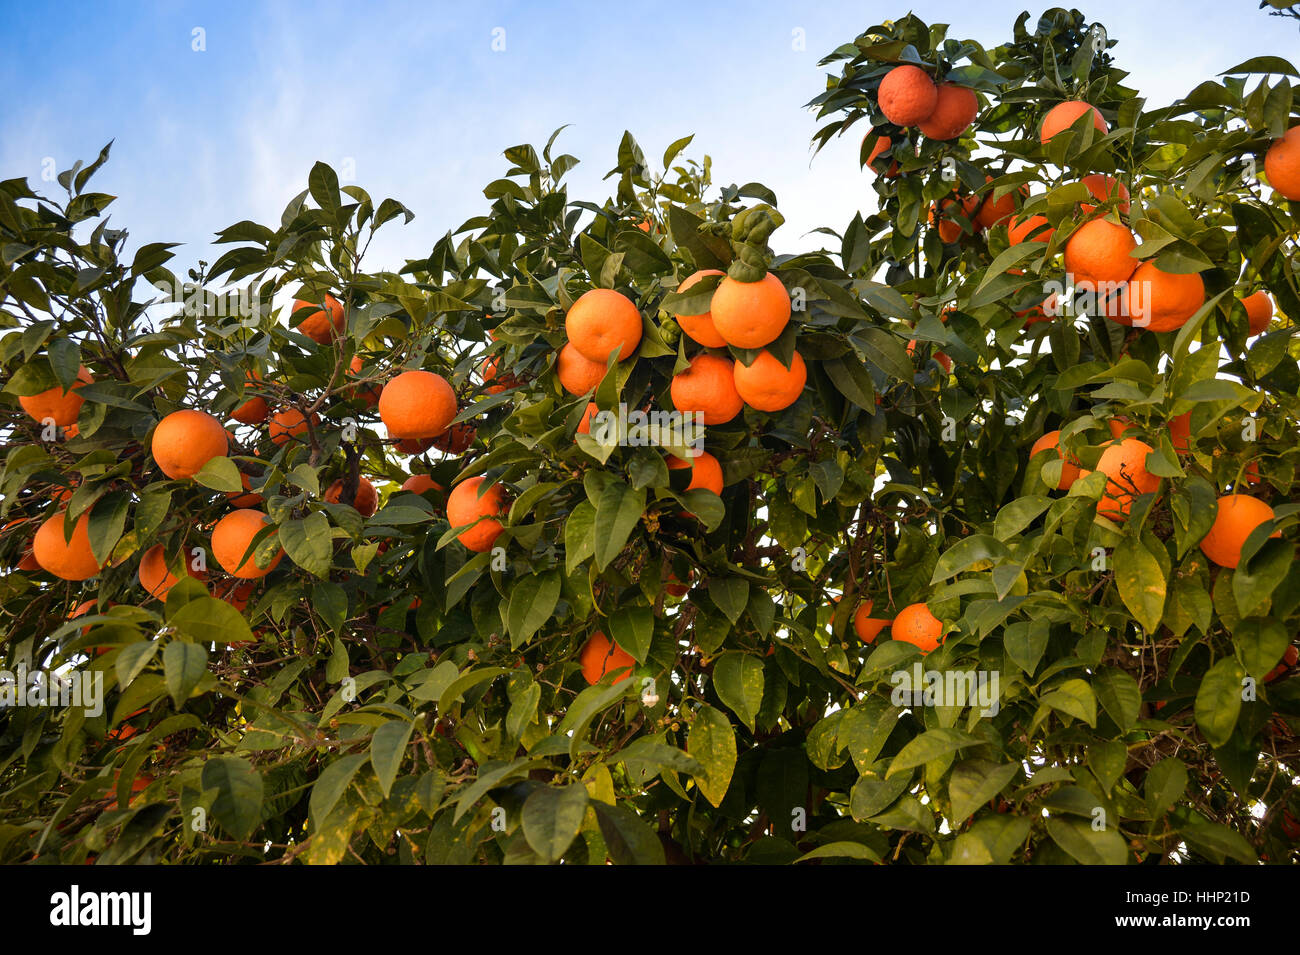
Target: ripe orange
1063 116
1259 311
950 227
1156 300
600 655
944 360
186 440
1102 188
1180 432
366 501
154 576
577 374
767 384
465 506
496 381
700 327
414 445
1237 516
237 594
675 587
230 539
313 322
369 394
456 439
992 211
954 111
26 560
417 404
750 314
1045 311
584 426
67 559
1282 164
419 483
881 145
255 409
1098 253
866 626
289 424
1069 469
1020 227
916 625
603 321
62 407
709 387
706 471
247 498
907 95
1124 464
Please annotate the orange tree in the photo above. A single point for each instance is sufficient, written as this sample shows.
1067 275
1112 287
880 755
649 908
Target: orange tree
420 569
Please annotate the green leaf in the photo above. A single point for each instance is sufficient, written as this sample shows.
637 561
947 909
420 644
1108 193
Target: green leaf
618 511
1086 845
220 474
323 184
133 658
1262 643
841 850
552 817
1213 838
966 552
712 742
1256 578
930 745
1141 582
309 543
106 523
974 782
738 680
1119 695
209 620
628 839
532 601
1165 784
579 535
331 784
632 629
184 664
730 594
1074 698
1218 701
238 806
387 747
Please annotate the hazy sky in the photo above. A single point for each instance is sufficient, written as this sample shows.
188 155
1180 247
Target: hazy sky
413 98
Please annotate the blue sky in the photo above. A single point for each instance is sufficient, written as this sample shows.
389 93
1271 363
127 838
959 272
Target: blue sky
415 100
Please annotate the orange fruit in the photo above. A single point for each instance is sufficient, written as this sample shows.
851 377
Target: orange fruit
992 211
1259 311
675 587
1282 164
366 500
954 111
1069 470
1045 311
465 506
495 381
709 387
1063 116
1020 227
154 576
186 440
237 594
419 483
62 407
1237 516
603 321
230 539
289 424
414 445
907 95
456 439
866 626
66 559
584 426
417 404
600 655
1124 464
1098 253
577 374
246 498
750 314
916 625
369 395
313 322
1180 433
255 409
1102 188
767 384
950 228
706 471
881 145
1156 300
700 327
